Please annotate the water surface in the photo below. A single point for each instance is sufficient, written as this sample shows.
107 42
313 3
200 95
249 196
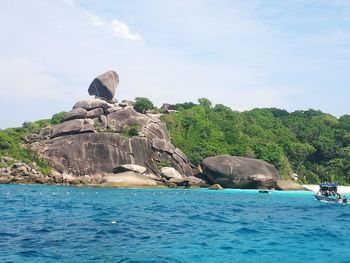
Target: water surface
67 224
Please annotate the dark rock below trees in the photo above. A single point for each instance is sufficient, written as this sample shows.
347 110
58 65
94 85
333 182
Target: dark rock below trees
239 172
93 153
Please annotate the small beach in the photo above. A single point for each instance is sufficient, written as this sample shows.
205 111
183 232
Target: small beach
315 188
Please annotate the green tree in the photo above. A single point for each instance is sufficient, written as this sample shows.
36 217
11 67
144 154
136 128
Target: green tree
297 154
143 104
132 130
205 102
57 118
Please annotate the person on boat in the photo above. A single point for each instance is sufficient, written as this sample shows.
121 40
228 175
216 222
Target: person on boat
326 193
338 195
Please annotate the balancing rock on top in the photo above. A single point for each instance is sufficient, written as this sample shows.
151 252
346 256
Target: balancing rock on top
104 86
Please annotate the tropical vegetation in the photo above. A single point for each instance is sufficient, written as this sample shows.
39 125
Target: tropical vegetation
12 142
312 145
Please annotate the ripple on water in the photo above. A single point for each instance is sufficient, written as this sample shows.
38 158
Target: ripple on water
167 226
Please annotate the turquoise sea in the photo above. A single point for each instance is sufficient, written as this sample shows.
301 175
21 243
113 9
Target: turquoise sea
67 224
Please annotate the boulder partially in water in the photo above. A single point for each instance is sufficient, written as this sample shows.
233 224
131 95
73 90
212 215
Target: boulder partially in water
128 179
216 187
238 172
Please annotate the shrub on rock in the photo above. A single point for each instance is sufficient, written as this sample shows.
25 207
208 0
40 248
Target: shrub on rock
143 104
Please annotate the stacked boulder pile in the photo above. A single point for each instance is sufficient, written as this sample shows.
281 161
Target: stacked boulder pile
14 171
103 142
94 139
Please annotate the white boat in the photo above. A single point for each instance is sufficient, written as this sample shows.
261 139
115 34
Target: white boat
328 193
326 199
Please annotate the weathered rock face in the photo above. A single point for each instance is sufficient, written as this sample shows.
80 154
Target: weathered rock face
239 172
93 153
126 117
129 168
95 145
104 86
100 136
72 126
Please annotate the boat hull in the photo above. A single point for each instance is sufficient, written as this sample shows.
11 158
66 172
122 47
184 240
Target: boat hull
326 199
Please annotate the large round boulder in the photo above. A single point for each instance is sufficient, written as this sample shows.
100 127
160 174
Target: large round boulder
104 86
238 172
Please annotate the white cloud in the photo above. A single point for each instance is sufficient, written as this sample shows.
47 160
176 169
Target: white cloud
119 28
123 31
234 53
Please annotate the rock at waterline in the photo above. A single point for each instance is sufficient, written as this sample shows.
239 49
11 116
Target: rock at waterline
238 172
216 187
289 185
128 179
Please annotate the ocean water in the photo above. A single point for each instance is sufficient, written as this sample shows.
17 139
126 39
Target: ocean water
67 224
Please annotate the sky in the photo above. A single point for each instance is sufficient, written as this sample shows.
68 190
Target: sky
289 54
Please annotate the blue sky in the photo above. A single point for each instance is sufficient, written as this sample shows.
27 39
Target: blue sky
290 54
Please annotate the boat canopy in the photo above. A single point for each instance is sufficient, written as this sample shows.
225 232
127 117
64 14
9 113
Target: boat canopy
328 185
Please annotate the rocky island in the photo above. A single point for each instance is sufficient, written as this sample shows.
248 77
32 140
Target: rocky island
103 142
